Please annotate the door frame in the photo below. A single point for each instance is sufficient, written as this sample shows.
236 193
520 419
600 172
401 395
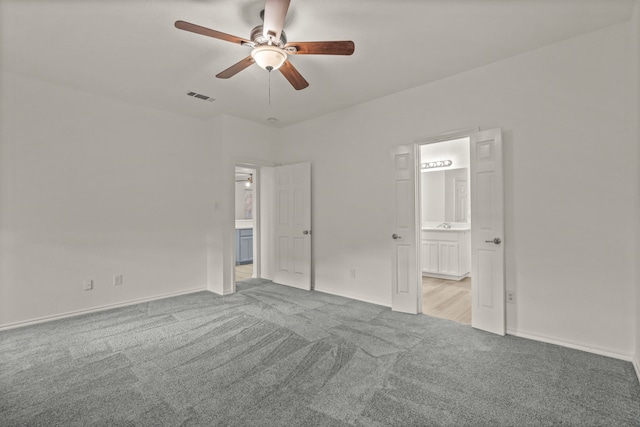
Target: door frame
443 137
465 133
263 243
256 222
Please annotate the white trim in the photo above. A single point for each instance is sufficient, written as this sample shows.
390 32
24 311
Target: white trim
594 350
223 293
447 136
97 309
354 297
253 163
255 270
636 365
289 285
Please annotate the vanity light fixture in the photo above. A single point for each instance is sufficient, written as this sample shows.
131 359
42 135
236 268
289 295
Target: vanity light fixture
438 164
249 181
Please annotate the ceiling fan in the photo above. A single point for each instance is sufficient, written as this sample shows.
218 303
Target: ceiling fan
270 45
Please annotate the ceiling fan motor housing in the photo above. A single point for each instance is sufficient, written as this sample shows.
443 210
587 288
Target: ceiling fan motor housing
258 37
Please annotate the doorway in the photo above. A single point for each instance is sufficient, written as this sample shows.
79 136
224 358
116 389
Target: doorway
487 235
278 230
445 229
245 235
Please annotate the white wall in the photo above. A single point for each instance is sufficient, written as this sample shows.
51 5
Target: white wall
247 143
562 114
92 187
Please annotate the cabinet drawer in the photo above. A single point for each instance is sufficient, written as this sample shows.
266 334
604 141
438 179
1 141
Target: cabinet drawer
246 232
441 236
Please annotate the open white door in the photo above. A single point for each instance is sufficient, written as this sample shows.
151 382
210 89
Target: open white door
293 225
487 232
405 271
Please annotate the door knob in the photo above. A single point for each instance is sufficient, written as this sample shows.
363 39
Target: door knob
394 236
497 241
306 232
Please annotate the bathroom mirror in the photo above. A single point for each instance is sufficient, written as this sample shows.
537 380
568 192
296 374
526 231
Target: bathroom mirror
243 201
445 195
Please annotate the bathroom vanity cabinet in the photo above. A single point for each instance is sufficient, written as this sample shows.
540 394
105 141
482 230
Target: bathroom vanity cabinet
446 253
244 246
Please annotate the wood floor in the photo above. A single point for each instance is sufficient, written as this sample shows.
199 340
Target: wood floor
447 299
243 272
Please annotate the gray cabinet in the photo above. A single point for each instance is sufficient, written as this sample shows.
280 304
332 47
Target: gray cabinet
244 246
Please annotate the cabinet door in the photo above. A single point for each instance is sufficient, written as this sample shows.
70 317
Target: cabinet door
244 248
449 260
465 253
429 256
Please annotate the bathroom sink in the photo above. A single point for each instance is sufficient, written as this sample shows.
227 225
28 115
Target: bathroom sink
460 226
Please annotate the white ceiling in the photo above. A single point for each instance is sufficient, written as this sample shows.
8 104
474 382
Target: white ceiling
130 50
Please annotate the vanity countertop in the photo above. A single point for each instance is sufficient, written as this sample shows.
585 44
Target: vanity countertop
244 223
446 229
455 226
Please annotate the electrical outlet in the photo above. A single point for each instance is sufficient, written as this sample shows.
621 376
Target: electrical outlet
88 285
353 273
511 297
117 279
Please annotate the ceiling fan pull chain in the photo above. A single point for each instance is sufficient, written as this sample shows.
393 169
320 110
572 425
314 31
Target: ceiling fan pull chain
269 87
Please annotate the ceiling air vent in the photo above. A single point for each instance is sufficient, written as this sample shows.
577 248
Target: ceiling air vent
201 96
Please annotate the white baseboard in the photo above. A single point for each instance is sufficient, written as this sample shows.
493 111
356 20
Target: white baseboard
96 309
354 297
588 349
636 365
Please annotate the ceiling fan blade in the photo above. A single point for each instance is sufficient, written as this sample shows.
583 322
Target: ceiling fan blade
186 26
295 78
275 11
345 47
236 68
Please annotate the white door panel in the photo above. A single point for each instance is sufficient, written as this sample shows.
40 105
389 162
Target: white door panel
405 268
487 232
293 227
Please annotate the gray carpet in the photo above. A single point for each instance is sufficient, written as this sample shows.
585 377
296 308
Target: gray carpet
276 356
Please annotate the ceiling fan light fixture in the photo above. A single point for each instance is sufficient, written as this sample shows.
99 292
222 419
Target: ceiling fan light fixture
269 57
